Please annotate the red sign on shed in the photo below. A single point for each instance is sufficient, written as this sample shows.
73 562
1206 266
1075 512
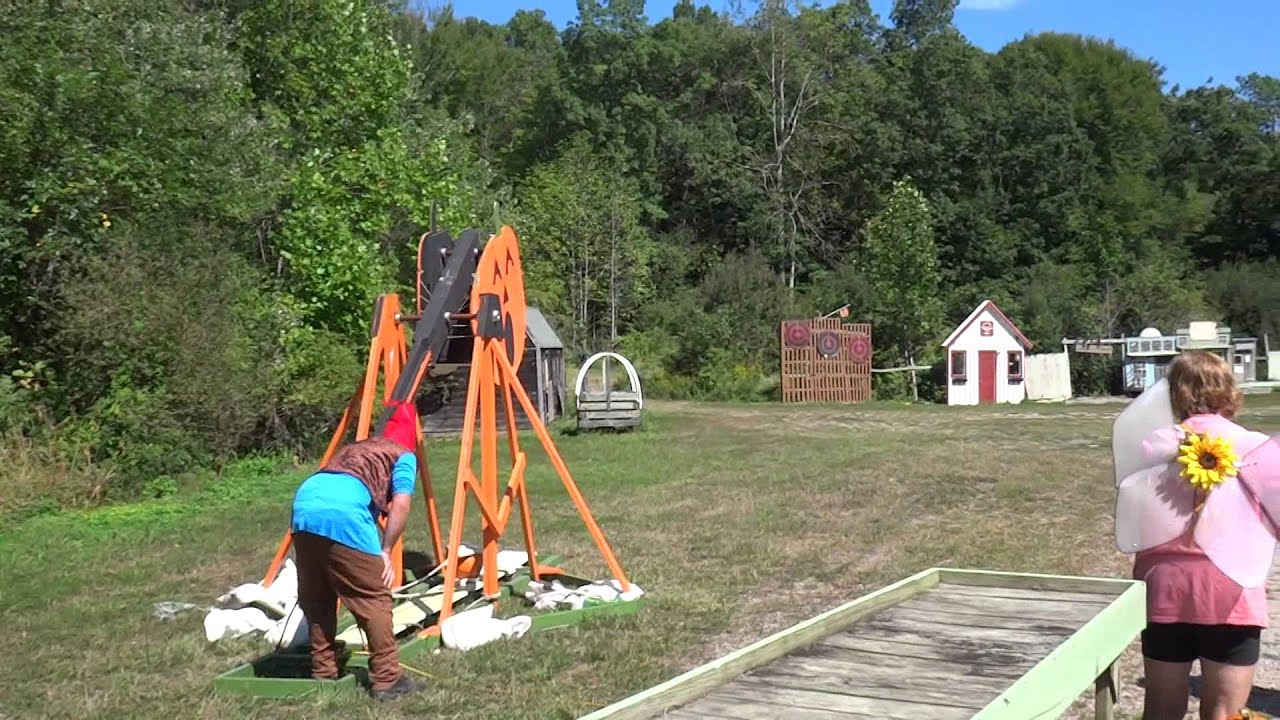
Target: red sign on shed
988 328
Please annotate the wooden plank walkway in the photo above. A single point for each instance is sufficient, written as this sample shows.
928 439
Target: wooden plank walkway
943 654
1270 648
1266 683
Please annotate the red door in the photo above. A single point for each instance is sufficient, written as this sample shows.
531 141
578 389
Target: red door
987 376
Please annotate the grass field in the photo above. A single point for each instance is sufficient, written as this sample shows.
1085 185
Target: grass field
737 520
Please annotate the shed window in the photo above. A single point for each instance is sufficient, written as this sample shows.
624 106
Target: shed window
1015 365
957 365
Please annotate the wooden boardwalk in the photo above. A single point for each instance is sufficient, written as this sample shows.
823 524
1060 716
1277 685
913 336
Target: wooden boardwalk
943 654
1270 638
1266 682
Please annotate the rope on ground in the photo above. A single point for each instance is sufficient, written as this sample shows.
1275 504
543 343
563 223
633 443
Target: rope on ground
416 671
410 668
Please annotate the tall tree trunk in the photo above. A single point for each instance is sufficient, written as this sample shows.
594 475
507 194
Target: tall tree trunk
788 107
613 274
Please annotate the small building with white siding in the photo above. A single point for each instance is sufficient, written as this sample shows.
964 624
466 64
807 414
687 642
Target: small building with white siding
986 357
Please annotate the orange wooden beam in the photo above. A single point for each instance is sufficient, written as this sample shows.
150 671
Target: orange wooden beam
387 354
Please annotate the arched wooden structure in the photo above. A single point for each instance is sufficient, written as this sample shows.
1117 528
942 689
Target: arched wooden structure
608 407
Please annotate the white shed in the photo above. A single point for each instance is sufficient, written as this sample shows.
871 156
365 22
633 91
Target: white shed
985 359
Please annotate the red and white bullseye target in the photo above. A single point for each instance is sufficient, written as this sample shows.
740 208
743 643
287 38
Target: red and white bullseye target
828 343
860 348
797 334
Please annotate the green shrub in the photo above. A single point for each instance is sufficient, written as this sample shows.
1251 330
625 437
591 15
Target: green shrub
175 341
321 371
1095 375
40 477
161 487
725 376
15 405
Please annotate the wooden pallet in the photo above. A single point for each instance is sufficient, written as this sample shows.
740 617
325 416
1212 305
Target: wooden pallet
810 377
943 644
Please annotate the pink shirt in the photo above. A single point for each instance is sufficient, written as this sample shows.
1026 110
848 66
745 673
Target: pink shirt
1183 584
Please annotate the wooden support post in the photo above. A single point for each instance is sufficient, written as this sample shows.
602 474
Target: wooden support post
488 475
508 373
460 488
1106 693
519 460
429 498
387 354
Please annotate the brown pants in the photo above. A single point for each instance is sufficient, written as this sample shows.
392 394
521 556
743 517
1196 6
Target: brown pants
329 571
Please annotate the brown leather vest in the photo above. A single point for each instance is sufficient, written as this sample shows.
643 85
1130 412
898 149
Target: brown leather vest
371 460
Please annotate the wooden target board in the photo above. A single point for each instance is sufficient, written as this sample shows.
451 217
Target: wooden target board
825 360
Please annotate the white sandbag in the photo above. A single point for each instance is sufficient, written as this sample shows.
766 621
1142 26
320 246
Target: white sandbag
473 628
551 595
222 623
275 601
510 561
253 595
283 592
291 631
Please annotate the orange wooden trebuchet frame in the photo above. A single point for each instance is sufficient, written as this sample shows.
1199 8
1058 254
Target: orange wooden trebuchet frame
494 360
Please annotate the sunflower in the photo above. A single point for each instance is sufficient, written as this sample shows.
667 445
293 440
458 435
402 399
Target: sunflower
1206 460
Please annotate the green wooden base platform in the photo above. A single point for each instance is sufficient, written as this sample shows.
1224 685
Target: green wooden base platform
285 674
943 644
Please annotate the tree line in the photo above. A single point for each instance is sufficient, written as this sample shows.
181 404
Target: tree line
200 199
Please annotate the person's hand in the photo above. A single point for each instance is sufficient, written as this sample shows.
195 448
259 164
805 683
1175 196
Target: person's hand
388 570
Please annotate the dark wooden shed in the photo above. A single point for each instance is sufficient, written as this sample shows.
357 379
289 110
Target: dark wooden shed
443 401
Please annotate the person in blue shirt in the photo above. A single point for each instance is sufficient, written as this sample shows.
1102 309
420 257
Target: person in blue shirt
340 556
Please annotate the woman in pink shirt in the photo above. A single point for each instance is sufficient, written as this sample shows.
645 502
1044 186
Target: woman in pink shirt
1194 610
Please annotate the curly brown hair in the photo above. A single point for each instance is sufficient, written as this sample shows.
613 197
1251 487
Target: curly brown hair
1201 383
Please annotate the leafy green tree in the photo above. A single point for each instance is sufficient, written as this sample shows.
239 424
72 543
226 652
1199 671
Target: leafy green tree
363 167
330 67
113 110
915 21
1263 91
345 204
1221 161
1048 304
486 75
787 91
901 264
1159 291
1248 297
175 339
585 253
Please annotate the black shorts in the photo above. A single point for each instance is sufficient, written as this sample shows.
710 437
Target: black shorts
1185 642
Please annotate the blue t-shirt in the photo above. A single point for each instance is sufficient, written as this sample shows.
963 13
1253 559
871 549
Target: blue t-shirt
338 506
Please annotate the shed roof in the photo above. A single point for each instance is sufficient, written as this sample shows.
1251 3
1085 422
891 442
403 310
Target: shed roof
539 330
999 315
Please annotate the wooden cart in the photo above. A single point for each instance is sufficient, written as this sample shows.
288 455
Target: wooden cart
941 645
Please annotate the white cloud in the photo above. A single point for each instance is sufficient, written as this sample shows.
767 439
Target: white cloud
989 4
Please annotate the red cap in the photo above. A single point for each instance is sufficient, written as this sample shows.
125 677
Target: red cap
402 428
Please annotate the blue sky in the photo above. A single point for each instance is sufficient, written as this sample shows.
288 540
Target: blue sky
1194 40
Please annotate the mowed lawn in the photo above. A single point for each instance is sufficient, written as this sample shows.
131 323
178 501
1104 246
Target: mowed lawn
737 520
